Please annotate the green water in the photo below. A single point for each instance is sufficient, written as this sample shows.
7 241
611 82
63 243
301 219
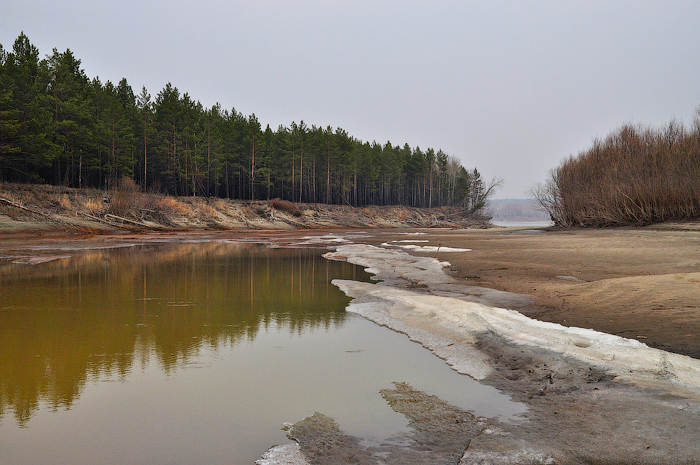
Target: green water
195 353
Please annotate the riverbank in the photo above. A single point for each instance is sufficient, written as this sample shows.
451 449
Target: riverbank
637 283
42 208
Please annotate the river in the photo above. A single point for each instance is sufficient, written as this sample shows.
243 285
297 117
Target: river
181 353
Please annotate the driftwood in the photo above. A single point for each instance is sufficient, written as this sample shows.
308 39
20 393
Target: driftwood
50 216
125 220
16 205
110 223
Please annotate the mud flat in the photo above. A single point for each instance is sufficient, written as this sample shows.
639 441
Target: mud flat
592 397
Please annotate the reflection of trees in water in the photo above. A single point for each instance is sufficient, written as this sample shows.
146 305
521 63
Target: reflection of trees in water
92 316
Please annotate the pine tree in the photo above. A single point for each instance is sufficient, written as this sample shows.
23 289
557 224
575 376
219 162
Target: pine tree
56 125
144 108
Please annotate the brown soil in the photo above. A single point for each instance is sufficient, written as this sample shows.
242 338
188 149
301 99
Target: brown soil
641 283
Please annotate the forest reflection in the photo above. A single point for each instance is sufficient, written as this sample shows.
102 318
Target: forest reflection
103 313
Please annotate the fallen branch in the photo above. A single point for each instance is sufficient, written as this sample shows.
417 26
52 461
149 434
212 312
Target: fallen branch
111 223
16 205
125 220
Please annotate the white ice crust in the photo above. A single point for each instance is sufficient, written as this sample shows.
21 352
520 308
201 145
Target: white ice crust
286 454
449 325
425 248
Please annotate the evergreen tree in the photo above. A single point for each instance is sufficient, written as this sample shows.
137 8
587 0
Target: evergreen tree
9 118
58 126
145 132
27 156
72 131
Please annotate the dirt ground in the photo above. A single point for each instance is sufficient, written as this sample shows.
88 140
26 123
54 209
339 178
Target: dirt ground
640 283
25 207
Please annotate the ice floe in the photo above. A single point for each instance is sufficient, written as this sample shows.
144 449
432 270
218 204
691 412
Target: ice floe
412 240
433 320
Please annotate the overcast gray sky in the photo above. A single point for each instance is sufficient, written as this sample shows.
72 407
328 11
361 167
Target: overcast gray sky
511 87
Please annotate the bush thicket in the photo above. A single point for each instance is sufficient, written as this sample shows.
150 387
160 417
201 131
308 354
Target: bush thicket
636 175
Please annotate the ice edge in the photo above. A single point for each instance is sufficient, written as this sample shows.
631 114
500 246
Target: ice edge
433 320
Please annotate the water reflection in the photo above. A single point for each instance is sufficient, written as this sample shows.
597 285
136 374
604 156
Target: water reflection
96 315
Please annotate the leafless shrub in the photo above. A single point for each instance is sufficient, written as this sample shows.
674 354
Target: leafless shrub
160 208
547 195
636 175
123 197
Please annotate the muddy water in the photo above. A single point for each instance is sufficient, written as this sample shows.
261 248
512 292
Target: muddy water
196 353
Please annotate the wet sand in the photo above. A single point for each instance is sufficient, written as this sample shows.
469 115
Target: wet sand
641 283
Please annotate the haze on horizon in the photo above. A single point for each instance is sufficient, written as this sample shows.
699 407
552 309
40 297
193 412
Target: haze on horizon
509 87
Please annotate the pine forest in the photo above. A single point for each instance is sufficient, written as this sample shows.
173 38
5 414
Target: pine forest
60 127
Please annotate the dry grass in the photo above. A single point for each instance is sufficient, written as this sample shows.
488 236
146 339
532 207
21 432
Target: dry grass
123 197
401 214
65 202
368 212
286 206
92 204
208 212
170 205
222 206
160 208
144 210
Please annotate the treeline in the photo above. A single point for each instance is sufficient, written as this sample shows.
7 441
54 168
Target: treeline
58 126
636 175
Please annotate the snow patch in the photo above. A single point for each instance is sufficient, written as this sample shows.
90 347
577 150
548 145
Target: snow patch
529 456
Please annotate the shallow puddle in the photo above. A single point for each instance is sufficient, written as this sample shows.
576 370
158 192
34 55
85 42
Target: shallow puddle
196 353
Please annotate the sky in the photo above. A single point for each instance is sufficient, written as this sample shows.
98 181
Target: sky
509 87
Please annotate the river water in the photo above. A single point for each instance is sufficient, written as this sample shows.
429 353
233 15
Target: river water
193 353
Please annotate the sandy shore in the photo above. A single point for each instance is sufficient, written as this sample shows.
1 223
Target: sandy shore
640 284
